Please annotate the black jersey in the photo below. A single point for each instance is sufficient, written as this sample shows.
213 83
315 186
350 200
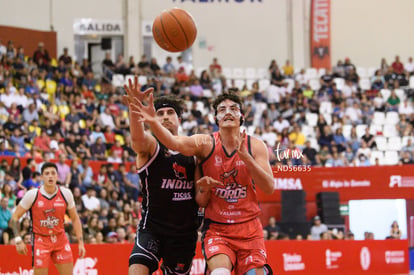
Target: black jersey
168 191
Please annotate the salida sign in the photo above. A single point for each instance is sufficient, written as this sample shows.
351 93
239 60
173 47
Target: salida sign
87 26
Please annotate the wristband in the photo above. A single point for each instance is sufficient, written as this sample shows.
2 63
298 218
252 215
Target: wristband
18 239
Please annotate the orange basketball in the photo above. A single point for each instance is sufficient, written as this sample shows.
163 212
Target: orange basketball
174 30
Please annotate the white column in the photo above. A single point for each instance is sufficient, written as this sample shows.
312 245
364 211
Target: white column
300 33
133 37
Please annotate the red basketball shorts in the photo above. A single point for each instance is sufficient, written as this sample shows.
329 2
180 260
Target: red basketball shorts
55 247
242 243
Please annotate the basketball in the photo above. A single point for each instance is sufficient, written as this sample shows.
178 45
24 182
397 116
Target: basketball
174 30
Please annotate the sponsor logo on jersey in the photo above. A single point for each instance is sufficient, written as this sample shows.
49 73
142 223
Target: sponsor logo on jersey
49 222
182 196
180 267
218 161
176 184
233 191
180 171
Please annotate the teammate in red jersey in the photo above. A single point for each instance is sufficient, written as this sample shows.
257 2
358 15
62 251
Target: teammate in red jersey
233 234
47 206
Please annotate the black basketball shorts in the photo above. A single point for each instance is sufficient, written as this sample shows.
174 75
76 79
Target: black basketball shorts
175 253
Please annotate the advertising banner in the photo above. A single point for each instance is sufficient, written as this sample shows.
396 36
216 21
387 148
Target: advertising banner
320 34
373 182
285 257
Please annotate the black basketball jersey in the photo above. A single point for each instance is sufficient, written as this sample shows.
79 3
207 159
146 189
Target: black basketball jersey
168 191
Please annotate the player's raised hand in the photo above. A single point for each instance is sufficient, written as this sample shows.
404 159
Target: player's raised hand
133 90
145 112
241 149
21 248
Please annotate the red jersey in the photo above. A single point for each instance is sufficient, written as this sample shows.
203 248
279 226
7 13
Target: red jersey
236 202
48 215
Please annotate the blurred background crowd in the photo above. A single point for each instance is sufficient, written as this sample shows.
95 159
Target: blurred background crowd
61 110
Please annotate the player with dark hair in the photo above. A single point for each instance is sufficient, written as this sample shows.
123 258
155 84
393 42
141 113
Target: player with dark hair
233 233
47 206
168 229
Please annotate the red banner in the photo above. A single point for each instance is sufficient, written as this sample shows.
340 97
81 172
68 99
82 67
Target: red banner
373 182
320 34
285 257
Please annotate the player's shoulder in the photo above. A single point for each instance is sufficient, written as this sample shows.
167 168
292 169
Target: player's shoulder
65 190
32 192
255 140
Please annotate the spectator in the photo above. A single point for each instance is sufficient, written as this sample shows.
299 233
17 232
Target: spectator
362 160
288 69
272 229
280 124
41 55
409 66
101 179
106 119
144 65
7 192
98 150
90 201
168 68
5 215
395 231
18 139
406 107
66 58
30 114
86 175
64 171
397 65
3 49
353 114
104 199
15 172
364 150
369 139
27 173
318 228
393 102
310 153
406 158
132 183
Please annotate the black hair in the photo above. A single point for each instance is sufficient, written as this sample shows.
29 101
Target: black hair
231 96
48 165
169 101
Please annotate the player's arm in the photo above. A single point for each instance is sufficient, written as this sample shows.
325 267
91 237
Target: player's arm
14 221
204 186
76 223
186 145
21 209
258 165
21 247
77 226
142 142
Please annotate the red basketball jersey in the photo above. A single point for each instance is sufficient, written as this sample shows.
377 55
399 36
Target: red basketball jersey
48 215
236 202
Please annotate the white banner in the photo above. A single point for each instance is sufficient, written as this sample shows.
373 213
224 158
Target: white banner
85 26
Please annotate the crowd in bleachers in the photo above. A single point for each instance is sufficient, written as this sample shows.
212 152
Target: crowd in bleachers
61 109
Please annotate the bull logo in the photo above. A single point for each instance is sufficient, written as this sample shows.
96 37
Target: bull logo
229 176
321 51
179 171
